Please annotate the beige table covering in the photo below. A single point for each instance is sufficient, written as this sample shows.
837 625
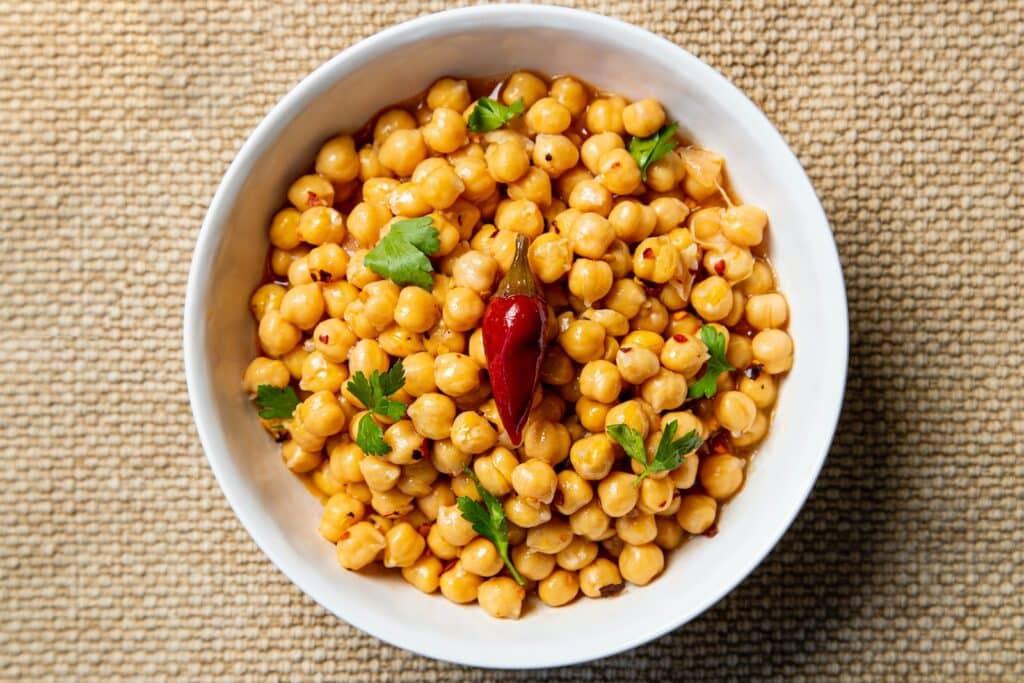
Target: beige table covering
119 556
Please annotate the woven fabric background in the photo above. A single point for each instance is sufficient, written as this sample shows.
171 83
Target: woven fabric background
119 556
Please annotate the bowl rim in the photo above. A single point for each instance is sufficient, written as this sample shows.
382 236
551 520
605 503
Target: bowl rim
271 126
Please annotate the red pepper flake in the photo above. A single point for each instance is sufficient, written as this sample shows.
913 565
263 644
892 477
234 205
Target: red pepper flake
648 253
712 531
681 338
451 563
313 199
324 339
626 349
720 267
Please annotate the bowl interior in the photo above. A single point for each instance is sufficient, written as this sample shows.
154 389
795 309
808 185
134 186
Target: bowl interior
280 513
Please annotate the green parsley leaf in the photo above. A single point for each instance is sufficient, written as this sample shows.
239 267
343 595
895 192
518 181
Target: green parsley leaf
648 150
373 393
670 451
370 437
401 255
276 403
488 520
490 114
707 385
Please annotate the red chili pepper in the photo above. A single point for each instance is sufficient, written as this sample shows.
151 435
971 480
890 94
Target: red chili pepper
514 324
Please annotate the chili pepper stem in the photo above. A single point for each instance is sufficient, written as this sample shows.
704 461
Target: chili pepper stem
519 279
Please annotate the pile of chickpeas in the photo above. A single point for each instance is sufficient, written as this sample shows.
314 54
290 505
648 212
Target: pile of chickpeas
630 270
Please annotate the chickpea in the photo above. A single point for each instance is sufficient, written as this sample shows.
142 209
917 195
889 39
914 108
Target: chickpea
712 298
450 93
554 154
670 213
284 229
449 459
551 537
636 364
570 93
266 298
685 354
633 414
558 588
535 480
572 493
481 557
445 132
477 181
365 222
440 547
731 262
577 554
294 360
359 546
432 502
531 564
526 512
614 323
550 257
340 513
463 309
459 585
321 414
766 311
760 281
639 564
520 215
297 266
735 411
583 340
379 474
390 121
744 225
593 457
377 190
665 390
474 270
600 579
739 351
471 433
754 434
618 172
309 191
590 280
656 260
358 273
721 475
454 528
507 161
440 189
772 348
370 166
617 494
432 415
298 457
632 221
265 371
403 545
321 374
441 339
591 521
600 381
626 296
590 196
535 187
424 573
402 150
344 462
456 374
337 160
664 174
547 115
503 248
636 527
525 85
417 479
605 114
703 172
407 445
419 375
643 118
367 356
277 335
321 225
597 146
546 440
591 413
696 513
495 470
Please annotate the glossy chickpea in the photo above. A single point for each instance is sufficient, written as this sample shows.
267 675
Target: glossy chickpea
572 492
309 191
456 374
656 495
407 445
424 573
494 470
739 351
284 229
359 546
761 389
459 585
266 298
366 356
618 172
617 494
548 116
265 371
590 196
558 588
463 309
731 262
754 434
631 413
656 260
597 146
703 172
408 200
767 311
670 213
578 553
402 150
632 221
771 348
344 462
454 528
337 160
760 281
417 479
297 267
471 433
685 354
365 222
503 248
643 118
535 480
476 179
523 84
321 374
735 411
432 415
476 348
591 413
605 115
415 309
526 512
601 381
626 296
593 456
321 225
532 564
449 92
591 521
570 93
567 182
449 459
721 475
639 564
403 545
636 527
340 512
475 270
439 496
550 257
357 272
590 280
419 374
652 316
712 298
551 537
379 474
441 339
744 225
440 547
600 579
546 440
445 132
665 173
696 513
441 188
636 364
294 360
321 414
377 190
555 154
390 121
481 557
507 161
369 164
670 534
301 457
583 340
277 335
519 215
665 390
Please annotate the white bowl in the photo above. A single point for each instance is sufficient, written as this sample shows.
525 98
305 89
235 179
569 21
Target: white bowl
391 66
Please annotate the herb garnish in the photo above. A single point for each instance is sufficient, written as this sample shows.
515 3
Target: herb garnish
707 385
401 255
648 150
276 403
669 454
373 392
488 520
490 114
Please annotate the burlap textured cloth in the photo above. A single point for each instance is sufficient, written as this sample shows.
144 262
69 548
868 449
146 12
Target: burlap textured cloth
119 556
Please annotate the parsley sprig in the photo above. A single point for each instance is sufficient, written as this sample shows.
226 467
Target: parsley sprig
276 403
648 150
670 451
373 392
707 385
490 114
402 254
488 520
